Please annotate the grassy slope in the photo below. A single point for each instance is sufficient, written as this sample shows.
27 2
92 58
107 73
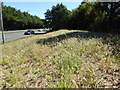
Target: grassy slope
62 59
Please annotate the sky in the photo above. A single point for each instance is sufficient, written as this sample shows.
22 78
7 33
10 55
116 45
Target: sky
39 8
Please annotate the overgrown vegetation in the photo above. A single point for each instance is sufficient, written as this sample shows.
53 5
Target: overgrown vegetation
64 59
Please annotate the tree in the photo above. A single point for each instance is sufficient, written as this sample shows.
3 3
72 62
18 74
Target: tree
83 16
96 16
15 19
48 19
112 10
58 17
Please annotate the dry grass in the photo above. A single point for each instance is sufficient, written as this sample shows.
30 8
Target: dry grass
62 59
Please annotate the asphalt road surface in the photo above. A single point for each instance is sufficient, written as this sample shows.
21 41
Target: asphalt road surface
13 36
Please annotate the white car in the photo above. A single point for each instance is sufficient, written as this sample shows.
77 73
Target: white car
39 30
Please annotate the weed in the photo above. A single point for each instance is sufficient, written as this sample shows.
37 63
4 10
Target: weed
62 59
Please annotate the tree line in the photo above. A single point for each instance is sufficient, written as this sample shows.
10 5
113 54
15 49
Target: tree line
14 19
92 16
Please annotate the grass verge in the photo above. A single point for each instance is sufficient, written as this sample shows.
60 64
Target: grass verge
62 59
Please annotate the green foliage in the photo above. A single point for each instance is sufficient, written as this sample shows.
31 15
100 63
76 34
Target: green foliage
97 16
15 19
92 16
58 17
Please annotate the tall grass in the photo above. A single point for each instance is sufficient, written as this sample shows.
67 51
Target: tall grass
62 59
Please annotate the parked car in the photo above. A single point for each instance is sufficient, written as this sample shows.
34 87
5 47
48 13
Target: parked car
28 32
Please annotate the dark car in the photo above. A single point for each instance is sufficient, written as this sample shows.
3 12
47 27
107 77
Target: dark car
28 32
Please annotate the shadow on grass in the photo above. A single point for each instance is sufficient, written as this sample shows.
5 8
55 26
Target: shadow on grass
75 35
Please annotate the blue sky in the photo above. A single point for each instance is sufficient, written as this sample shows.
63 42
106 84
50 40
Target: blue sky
39 8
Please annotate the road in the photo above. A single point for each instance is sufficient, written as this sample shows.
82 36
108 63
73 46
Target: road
12 36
